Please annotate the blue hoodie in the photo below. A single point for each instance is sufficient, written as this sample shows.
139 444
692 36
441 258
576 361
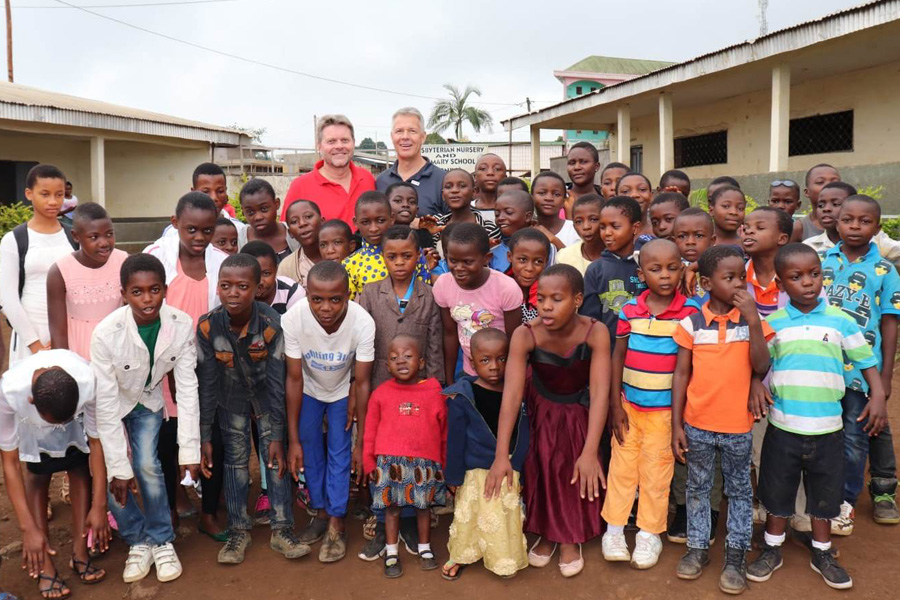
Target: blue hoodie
470 442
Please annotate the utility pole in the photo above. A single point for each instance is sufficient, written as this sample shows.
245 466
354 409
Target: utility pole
527 100
9 55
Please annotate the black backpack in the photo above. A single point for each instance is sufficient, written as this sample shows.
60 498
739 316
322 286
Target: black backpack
20 233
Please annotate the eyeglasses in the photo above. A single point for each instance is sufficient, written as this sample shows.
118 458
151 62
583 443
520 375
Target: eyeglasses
784 182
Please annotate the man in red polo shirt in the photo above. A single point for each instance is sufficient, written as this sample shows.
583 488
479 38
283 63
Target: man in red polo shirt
335 182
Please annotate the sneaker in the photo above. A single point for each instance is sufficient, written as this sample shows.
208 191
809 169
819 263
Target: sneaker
677 531
314 531
768 561
713 526
285 542
334 548
733 579
168 567
801 523
647 547
392 567
137 565
374 548
823 563
409 535
261 516
232 553
884 500
615 548
691 564
843 524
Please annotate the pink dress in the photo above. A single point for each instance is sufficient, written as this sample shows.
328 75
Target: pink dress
91 295
190 296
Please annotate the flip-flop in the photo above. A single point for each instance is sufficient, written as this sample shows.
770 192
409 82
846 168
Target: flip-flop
449 565
220 537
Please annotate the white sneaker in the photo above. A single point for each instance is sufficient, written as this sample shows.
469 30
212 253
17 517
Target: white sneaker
801 523
168 567
137 565
647 547
843 525
615 548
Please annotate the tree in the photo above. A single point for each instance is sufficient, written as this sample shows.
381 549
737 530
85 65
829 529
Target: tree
456 110
381 146
366 144
434 138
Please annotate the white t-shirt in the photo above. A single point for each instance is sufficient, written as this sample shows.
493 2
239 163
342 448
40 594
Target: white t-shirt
328 358
567 235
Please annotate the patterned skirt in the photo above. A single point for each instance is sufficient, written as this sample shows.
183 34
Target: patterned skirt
407 481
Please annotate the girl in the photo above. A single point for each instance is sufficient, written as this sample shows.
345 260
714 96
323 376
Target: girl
26 255
457 191
553 362
549 192
609 178
84 287
404 448
586 220
637 186
582 164
529 254
303 221
225 237
260 207
663 211
489 171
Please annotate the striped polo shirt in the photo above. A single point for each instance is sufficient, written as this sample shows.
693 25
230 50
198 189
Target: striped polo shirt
650 359
768 298
808 366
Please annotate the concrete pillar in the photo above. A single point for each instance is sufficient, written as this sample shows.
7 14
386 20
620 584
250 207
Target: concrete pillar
535 151
98 171
781 118
666 134
623 134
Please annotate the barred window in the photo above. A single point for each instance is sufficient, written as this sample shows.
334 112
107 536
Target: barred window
704 149
821 133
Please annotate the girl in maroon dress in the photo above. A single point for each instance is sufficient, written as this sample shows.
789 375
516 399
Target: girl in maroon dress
551 362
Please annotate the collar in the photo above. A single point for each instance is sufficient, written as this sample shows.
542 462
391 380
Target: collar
751 277
794 312
674 306
370 249
425 171
613 256
251 328
838 250
733 315
322 180
462 387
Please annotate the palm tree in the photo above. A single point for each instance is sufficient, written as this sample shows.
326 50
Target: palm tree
456 110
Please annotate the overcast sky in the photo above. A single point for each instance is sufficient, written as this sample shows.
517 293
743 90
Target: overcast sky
509 50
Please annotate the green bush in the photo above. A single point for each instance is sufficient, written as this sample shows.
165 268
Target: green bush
12 215
892 227
234 199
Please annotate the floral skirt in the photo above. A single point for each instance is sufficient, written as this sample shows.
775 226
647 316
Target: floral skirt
407 481
488 529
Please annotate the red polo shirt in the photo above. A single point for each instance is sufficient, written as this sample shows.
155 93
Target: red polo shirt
333 200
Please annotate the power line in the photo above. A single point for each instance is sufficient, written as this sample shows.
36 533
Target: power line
139 5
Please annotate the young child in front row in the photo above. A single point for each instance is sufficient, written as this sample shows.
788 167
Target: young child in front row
529 253
514 211
586 219
641 406
225 236
473 415
405 448
663 211
560 366
549 192
765 230
710 415
726 206
811 343
304 219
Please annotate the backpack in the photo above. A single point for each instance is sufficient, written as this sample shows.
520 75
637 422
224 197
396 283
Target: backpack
20 233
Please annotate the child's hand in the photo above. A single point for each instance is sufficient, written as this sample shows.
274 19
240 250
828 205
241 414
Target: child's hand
356 463
192 470
37 346
689 280
746 305
875 412
295 459
760 399
430 224
432 258
34 548
351 408
276 457
588 474
98 524
119 489
500 470
619 422
679 443
206 459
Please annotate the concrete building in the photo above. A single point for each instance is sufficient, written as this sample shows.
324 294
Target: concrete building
822 91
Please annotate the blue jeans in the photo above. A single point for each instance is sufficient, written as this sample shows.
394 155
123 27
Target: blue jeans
154 525
735 450
858 446
327 472
236 444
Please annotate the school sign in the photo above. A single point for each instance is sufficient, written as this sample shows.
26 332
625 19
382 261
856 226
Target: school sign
454 156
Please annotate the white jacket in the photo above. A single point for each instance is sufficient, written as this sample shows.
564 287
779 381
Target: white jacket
166 249
121 364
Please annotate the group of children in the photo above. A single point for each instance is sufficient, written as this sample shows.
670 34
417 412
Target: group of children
545 361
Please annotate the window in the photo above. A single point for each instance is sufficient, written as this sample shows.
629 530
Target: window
703 149
578 90
821 133
637 159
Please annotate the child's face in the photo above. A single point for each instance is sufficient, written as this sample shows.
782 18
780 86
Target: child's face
144 293
556 303
400 258
760 233
786 198
237 290
586 219
467 264
693 235
818 179
328 302
225 239
728 211
828 207
68 190
457 190
729 277
528 259
617 230
489 357
373 220
662 219
661 268
636 187
801 279
47 196
609 180
268 279
303 224
215 187
195 229
681 186
581 167
404 205
260 211
405 360
488 172
549 195
511 216
97 239
334 245
857 223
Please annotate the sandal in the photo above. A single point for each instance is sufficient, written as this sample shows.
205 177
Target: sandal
445 570
88 570
369 527
56 585
220 537
426 561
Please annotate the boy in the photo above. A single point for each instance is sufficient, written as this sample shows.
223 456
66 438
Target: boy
225 237
693 232
867 288
327 338
404 201
710 414
726 206
612 280
281 293
513 211
240 369
675 181
640 414
508 184
336 241
209 179
132 351
785 194
663 211
609 178
812 340
586 219
816 178
260 207
765 230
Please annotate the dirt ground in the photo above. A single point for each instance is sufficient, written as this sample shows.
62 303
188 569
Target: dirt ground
870 555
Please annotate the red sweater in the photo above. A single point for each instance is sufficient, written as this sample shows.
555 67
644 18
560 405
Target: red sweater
406 420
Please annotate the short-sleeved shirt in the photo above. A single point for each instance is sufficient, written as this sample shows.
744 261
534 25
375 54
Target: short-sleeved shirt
479 308
808 353
332 199
287 293
766 296
719 388
652 352
865 289
572 255
328 357
366 265
428 181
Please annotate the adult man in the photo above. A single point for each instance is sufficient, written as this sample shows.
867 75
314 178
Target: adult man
335 182
408 135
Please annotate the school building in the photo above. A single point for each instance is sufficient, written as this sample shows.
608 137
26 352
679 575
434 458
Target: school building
822 91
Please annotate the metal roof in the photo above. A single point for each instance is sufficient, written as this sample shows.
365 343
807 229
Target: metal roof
28 104
616 65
